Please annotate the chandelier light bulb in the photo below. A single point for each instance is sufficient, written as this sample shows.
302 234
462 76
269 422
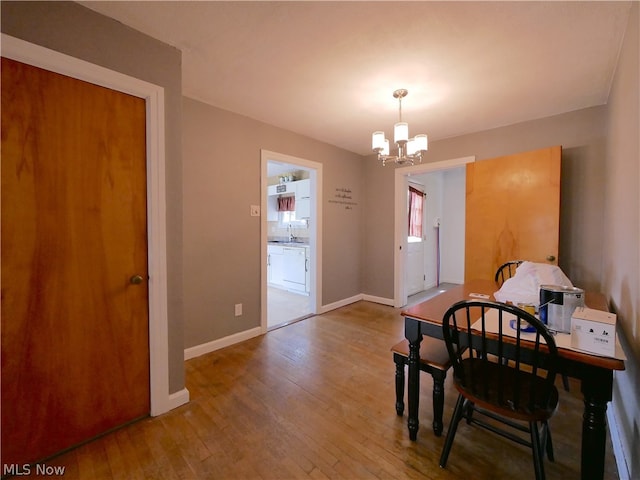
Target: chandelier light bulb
385 149
422 142
401 132
377 141
411 146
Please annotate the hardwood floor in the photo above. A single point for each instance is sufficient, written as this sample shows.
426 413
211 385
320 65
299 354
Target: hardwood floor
314 400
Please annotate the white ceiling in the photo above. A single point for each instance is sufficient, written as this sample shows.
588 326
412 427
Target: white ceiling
327 70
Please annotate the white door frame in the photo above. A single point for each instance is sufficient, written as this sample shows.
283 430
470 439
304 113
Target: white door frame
315 230
401 179
25 52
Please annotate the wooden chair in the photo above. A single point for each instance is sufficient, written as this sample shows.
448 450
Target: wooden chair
434 359
520 395
506 271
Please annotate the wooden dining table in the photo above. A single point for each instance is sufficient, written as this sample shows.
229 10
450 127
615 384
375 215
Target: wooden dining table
594 372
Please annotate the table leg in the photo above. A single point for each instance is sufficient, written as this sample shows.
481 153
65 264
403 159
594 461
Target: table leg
597 390
413 335
439 377
399 361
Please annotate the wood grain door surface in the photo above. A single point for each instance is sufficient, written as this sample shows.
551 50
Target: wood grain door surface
75 354
512 211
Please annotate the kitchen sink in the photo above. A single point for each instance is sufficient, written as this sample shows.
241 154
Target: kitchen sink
294 243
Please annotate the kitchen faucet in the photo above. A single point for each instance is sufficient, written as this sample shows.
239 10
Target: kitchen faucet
291 237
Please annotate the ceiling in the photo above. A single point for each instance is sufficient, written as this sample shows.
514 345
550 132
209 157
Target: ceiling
327 70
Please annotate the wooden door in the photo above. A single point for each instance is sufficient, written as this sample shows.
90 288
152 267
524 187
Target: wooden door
75 354
512 211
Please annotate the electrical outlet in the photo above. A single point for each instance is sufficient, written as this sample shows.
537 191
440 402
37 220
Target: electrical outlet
238 309
255 210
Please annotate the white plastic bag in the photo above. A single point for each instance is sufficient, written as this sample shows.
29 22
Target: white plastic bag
524 286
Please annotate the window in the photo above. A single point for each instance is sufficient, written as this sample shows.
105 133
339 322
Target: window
287 213
289 218
416 207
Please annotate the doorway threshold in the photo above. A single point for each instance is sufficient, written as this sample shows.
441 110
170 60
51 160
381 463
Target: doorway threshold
425 295
289 322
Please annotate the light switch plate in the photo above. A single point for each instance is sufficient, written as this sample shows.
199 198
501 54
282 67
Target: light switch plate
255 210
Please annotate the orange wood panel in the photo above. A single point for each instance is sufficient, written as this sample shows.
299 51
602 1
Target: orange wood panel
512 211
75 355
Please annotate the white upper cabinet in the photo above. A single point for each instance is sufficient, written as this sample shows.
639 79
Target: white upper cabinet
281 189
303 198
303 188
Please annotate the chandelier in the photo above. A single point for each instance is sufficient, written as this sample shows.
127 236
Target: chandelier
409 149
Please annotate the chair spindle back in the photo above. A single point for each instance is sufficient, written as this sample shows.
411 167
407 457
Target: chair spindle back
501 353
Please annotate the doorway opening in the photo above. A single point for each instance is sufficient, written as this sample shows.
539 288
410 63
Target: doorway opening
440 251
290 239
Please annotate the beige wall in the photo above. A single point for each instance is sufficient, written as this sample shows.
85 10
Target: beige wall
378 240
621 227
77 31
222 242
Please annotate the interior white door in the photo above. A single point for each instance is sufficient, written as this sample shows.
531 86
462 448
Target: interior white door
415 267
415 239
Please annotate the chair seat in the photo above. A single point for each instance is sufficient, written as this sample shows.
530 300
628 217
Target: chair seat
433 352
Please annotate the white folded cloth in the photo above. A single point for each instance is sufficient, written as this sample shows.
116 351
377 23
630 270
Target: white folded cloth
524 286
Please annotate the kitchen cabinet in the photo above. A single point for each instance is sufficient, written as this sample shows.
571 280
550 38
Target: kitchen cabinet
307 270
298 187
288 267
303 198
303 188
303 208
293 272
272 208
281 189
275 265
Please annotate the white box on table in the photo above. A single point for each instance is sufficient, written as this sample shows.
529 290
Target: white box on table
593 331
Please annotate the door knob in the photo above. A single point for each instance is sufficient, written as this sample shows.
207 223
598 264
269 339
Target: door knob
136 280
551 258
